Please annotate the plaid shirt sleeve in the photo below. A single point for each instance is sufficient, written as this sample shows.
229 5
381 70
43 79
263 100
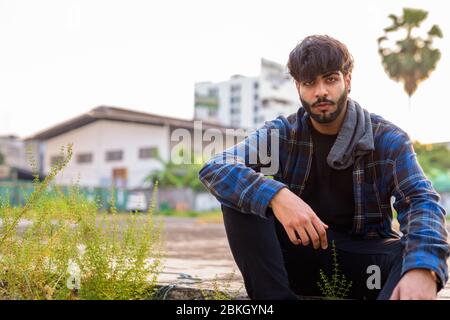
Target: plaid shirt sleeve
421 217
234 177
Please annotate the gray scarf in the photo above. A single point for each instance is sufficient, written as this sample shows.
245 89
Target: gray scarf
354 139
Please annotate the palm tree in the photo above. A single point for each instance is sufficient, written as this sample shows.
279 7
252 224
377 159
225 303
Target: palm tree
177 175
412 59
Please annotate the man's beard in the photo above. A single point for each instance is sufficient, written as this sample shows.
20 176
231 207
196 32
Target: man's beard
324 117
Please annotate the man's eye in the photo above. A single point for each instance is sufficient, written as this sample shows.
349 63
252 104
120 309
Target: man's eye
331 79
307 84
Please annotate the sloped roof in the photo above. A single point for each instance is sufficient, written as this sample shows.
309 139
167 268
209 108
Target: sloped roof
118 114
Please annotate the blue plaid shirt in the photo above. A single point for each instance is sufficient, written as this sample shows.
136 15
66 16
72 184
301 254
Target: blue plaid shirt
391 170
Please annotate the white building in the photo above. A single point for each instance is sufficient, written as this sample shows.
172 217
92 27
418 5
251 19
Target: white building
247 102
16 152
115 146
19 159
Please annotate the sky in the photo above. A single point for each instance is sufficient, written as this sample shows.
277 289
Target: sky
61 58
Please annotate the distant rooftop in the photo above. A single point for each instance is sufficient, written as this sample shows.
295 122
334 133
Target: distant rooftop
9 137
121 115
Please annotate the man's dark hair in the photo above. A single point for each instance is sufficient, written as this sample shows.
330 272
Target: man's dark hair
316 55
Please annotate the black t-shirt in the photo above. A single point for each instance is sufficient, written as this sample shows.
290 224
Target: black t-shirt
329 192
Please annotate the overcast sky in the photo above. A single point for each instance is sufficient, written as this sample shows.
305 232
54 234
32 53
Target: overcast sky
60 58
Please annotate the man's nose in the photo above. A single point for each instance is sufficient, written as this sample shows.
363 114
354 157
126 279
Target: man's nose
321 90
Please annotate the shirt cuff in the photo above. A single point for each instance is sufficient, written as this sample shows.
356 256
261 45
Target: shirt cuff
264 194
440 275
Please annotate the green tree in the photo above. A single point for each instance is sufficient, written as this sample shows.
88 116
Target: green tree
412 59
2 158
184 175
433 158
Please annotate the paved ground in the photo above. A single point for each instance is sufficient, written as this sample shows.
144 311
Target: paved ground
201 250
198 256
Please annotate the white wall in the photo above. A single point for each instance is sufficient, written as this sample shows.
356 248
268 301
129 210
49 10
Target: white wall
202 113
274 83
248 102
224 103
277 84
274 109
101 136
15 153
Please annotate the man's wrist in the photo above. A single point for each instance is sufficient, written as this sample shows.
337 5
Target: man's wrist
273 200
430 272
436 279
434 275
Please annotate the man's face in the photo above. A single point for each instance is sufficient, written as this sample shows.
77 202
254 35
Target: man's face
325 97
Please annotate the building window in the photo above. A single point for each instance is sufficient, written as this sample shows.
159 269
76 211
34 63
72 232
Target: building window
235 111
256 85
84 158
256 97
213 92
115 155
54 160
148 153
235 88
212 113
235 99
235 123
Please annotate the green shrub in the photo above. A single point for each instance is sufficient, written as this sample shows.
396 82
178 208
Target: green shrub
62 250
221 289
335 287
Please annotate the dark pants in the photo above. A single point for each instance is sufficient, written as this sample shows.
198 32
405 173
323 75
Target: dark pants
274 268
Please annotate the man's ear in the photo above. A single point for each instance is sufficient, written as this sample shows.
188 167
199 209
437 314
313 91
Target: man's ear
348 81
297 84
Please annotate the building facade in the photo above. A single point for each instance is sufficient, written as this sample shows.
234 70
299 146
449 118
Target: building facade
246 102
19 159
120 147
17 153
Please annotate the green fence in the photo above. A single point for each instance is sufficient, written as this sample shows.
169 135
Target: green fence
16 192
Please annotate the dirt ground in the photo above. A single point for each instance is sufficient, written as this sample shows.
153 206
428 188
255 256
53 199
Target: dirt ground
198 255
200 250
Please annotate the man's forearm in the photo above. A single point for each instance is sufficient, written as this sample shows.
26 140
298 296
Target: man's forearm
238 186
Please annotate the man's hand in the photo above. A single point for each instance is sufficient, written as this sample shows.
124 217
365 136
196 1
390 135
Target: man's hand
298 218
416 284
